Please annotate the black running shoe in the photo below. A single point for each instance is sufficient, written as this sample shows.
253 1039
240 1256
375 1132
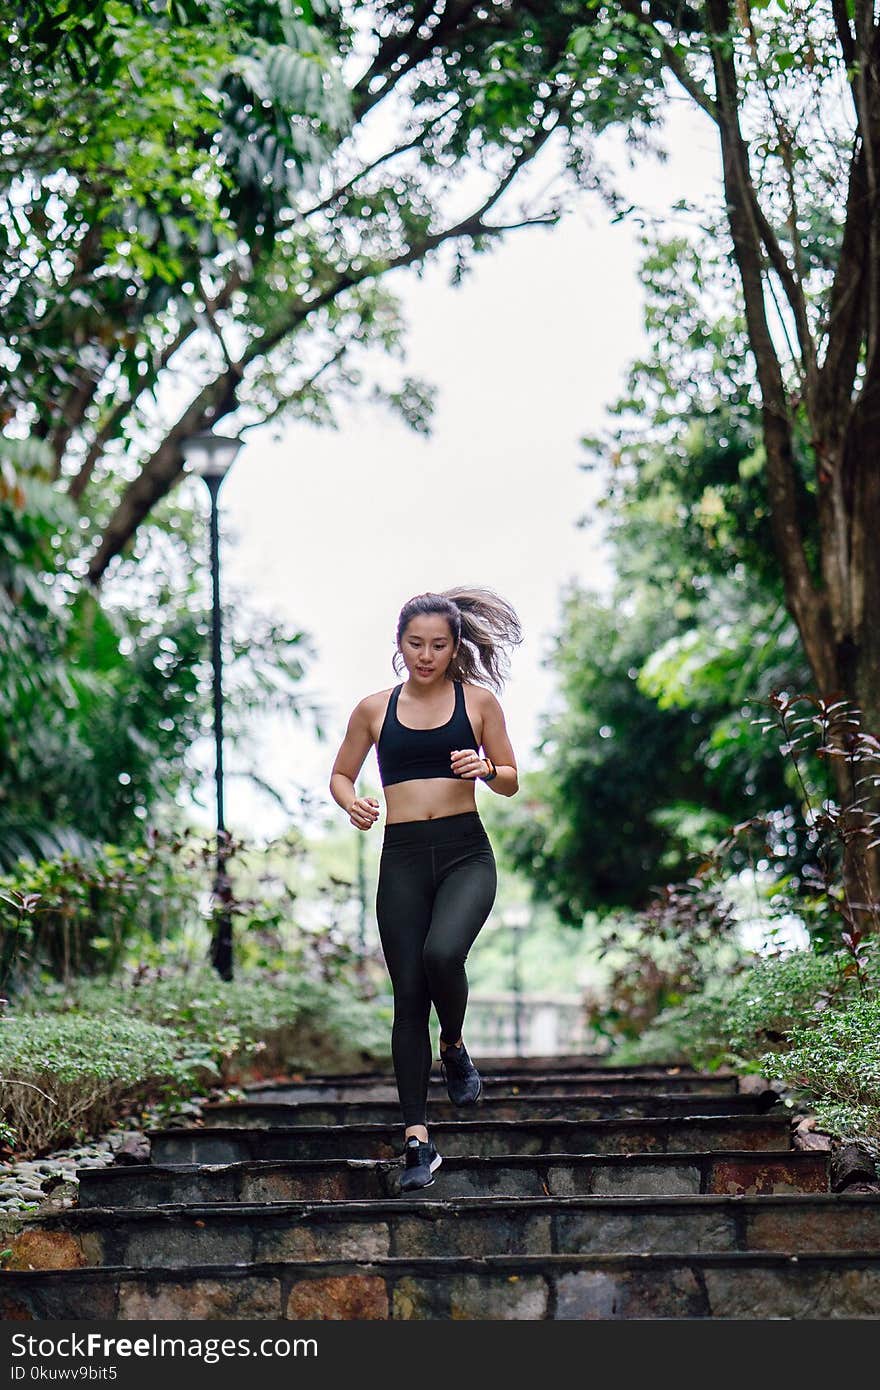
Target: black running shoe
421 1161
462 1079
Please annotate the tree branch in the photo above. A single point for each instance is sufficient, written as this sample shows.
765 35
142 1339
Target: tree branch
79 482
413 144
407 49
549 219
300 391
209 314
218 398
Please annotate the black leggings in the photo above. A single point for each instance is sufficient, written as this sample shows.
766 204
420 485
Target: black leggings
437 882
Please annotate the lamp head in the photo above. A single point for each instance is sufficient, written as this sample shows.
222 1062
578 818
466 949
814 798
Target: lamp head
210 455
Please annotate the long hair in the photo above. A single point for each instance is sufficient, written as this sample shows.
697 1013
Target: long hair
483 626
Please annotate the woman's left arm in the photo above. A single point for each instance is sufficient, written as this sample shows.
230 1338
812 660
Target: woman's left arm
497 746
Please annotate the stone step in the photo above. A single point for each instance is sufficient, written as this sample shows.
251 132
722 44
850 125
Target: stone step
563 1175
263 1114
584 1063
246 1233
741 1285
228 1144
501 1083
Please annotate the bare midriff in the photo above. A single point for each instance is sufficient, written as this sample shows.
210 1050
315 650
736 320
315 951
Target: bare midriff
425 798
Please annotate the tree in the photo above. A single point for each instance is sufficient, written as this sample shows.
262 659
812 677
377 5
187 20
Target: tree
793 91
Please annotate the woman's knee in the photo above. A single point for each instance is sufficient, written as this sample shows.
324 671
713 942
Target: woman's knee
411 1005
443 958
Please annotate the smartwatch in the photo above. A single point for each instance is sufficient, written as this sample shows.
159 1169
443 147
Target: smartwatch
493 771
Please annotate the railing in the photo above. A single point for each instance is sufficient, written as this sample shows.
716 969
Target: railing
545 1025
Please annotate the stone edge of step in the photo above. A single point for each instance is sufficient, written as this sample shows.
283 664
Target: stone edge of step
432 1208
779 1117
769 1097
451 1264
505 1077
674 1157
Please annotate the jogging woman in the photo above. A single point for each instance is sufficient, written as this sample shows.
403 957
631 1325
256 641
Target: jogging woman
437 875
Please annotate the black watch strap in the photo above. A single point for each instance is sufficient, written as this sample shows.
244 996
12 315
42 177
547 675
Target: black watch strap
493 771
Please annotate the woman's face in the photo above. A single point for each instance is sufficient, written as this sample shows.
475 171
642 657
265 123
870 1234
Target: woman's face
427 647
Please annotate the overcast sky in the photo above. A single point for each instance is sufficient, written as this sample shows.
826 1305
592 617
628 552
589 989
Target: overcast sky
335 530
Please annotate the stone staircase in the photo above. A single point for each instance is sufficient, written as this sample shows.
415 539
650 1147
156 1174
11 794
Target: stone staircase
571 1192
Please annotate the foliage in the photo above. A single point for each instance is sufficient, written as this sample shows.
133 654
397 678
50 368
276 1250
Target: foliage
77 913
781 78
232 1020
688 933
792 91
94 1048
636 783
183 130
112 689
736 1021
730 432
142 906
836 1065
685 443
272 320
808 1021
62 1077
684 938
109 705
831 730
652 752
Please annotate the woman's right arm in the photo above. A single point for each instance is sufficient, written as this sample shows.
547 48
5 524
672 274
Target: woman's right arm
362 811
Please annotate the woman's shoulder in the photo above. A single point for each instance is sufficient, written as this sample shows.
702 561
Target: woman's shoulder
479 693
479 700
369 712
377 700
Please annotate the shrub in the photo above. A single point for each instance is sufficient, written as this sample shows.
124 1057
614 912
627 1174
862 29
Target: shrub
64 1077
733 1022
76 913
95 1045
836 1063
284 1019
682 939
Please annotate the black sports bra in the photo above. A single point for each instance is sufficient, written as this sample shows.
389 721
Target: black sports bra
405 754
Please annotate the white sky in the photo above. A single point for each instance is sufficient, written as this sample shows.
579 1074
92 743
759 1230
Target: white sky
335 530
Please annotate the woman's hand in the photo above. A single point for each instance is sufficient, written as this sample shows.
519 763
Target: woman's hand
467 763
363 811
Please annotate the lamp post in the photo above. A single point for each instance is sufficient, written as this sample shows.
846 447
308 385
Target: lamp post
516 918
211 456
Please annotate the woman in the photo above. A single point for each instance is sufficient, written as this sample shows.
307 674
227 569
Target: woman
437 876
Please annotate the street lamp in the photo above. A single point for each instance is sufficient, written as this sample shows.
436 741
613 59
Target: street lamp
211 456
516 918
